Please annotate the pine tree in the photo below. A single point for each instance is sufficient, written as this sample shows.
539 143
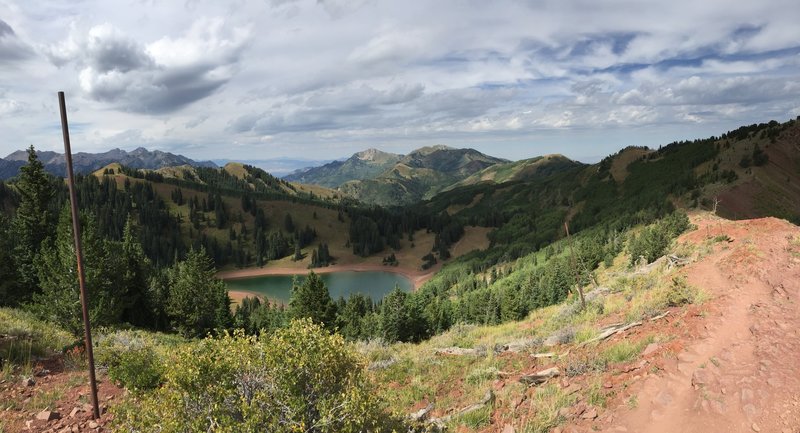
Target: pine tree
311 299
134 279
395 318
351 316
32 225
298 253
59 300
198 302
8 274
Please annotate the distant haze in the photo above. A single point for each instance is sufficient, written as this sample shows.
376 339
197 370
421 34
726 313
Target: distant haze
280 166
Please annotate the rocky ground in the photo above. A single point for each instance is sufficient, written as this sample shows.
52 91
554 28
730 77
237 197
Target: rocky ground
55 399
733 366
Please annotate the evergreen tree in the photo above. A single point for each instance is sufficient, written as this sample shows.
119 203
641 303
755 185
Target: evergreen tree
198 302
134 279
298 253
59 299
8 274
288 224
32 225
401 317
311 299
351 316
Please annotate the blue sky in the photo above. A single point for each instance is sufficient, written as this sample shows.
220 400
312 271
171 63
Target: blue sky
322 79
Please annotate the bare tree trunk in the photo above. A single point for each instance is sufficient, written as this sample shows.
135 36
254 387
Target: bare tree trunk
575 267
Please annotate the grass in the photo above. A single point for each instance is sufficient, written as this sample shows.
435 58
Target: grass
546 402
632 402
480 375
45 338
623 351
595 395
721 238
24 337
46 399
475 419
41 400
633 295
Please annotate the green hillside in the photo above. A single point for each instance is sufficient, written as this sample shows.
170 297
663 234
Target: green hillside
419 175
154 239
362 165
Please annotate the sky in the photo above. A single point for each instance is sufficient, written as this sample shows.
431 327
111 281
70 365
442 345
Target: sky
322 79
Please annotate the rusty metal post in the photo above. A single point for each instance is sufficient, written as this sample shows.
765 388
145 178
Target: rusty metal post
76 230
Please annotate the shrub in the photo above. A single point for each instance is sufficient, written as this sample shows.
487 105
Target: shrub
133 357
653 241
679 293
137 370
300 378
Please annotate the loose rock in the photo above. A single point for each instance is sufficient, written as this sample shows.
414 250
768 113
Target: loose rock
47 415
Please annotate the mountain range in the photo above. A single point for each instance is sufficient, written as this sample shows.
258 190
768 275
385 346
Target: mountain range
85 163
367 164
388 179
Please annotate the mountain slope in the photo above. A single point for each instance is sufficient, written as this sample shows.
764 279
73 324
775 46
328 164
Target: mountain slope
540 166
9 169
85 163
711 346
420 175
362 165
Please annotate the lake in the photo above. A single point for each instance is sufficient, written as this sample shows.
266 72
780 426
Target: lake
374 284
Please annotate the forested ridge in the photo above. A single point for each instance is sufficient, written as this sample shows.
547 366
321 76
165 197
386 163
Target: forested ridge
212 218
153 242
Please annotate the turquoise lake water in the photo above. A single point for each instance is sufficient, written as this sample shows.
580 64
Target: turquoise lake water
374 284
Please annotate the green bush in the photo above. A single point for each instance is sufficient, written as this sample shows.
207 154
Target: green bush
652 242
134 357
137 370
679 293
298 379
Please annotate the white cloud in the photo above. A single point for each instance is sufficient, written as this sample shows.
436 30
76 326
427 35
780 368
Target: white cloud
330 76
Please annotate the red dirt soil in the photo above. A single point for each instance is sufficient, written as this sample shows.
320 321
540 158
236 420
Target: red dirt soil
737 363
72 390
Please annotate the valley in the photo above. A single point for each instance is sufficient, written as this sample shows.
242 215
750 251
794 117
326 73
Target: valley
457 311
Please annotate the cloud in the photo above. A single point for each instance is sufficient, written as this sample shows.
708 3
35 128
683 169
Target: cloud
9 107
12 49
333 76
158 78
330 108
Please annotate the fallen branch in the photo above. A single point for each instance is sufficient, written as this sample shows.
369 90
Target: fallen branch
660 316
421 414
609 331
488 399
544 355
673 260
460 351
516 346
540 377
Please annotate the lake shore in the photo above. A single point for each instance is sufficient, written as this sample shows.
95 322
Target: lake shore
417 277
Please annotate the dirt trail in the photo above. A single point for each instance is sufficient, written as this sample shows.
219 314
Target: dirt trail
742 372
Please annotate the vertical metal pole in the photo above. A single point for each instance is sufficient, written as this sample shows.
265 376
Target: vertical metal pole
76 230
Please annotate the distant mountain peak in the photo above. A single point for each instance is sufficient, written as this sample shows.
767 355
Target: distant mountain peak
435 148
361 165
85 162
373 154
